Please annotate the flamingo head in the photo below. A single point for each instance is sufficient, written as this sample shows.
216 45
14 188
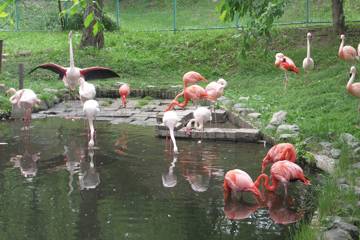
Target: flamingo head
222 82
342 37
309 35
11 91
279 57
352 70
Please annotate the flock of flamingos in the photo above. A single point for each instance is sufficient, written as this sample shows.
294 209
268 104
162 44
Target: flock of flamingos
282 156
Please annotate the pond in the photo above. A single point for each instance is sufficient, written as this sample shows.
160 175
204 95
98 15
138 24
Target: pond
131 186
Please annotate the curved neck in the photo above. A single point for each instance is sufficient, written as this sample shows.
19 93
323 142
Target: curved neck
341 45
351 80
308 48
173 139
72 64
266 184
92 130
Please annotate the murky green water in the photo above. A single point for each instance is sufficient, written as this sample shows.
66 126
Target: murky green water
132 188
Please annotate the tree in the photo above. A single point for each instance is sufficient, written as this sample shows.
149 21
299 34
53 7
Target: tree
93 33
257 17
338 16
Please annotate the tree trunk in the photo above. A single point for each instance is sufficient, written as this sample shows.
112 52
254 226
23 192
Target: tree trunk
338 16
88 38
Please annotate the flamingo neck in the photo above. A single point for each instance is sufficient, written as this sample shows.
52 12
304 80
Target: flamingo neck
308 48
266 184
72 64
351 80
173 139
341 46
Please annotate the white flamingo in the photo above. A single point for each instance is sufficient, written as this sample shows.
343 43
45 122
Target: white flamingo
24 99
170 119
71 75
201 116
91 109
308 62
87 91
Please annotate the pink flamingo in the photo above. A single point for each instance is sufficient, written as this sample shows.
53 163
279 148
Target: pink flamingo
351 87
192 78
347 53
25 99
124 91
237 210
71 75
214 91
283 172
193 92
279 152
237 180
286 64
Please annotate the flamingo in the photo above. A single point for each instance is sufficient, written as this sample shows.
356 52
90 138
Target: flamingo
308 62
124 91
24 99
170 119
201 116
193 92
71 75
91 109
279 152
238 210
89 178
192 77
347 53
237 180
169 179
283 172
351 87
286 64
215 90
87 91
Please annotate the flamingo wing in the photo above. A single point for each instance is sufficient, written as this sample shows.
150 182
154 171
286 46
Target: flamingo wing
52 67
98 73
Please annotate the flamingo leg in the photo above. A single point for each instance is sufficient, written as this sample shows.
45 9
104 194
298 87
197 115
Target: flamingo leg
286 81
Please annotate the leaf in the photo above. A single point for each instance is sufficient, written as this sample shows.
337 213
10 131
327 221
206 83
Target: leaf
96 28
89 19
3 14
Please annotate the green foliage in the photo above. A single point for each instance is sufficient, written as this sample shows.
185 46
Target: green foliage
258 16
75 22
91 20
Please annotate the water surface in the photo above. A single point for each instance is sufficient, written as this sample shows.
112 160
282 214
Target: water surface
130 187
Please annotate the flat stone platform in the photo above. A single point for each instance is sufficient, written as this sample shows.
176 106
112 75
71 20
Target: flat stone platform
150 112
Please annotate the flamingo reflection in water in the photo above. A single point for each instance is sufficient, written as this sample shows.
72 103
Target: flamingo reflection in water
121 144
27 162
74 155
169 179
282 210
89 177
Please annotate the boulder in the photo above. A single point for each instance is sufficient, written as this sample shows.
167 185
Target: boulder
350 140
254 115
278 118
325 163
288 128
336 234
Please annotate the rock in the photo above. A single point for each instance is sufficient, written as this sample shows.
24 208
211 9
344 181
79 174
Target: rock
344 187
324 163
287 128
244 99
336 234
356 152
286 137
278 118
357 191
341 181
254 115
335 153
350 140
350 228
270 127
326 145
239 106
356 165
225 101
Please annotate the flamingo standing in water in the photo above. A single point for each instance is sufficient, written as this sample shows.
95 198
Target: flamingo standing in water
87 91
91 109
347 53
283 172
308 62
24 99
351 87
124 91
170 119
71 75
193 92
279 152
286 64
237 180
192 77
